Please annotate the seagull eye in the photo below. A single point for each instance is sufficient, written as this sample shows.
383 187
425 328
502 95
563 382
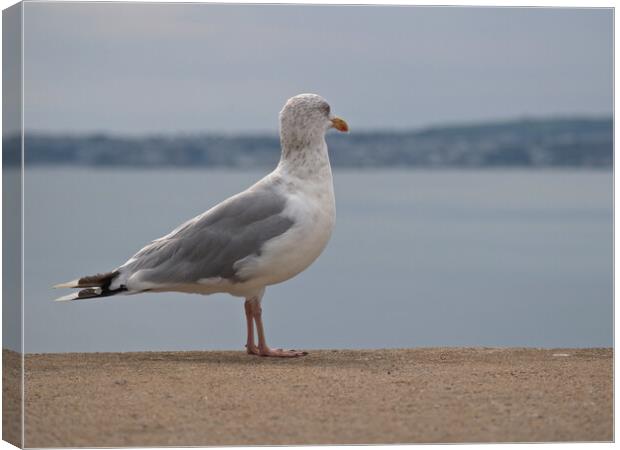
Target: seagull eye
326 109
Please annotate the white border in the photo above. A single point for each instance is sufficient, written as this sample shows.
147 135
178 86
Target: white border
505 3
446 3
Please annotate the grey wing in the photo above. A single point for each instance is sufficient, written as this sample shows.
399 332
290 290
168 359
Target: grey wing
210 244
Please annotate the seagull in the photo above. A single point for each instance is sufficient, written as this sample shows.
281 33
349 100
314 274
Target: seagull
264 235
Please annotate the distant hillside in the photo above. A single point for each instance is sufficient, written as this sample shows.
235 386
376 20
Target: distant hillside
520 143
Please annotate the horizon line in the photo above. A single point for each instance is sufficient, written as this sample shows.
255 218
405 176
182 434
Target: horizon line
275 133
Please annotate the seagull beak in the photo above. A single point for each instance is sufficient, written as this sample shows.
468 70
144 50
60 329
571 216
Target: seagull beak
340 124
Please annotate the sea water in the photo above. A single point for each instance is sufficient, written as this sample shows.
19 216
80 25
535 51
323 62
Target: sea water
418 258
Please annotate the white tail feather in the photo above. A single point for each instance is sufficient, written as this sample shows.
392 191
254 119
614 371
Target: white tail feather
93 293
69 284
66 298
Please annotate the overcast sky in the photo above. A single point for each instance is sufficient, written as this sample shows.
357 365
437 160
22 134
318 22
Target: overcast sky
159 68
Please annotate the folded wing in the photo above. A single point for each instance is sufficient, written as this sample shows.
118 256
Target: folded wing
210 244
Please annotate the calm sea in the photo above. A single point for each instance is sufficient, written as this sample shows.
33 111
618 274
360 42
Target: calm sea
418 258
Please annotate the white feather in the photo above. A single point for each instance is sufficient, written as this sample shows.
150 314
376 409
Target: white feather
69 284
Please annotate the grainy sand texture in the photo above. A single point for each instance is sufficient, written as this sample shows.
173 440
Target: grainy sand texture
12 397
327 397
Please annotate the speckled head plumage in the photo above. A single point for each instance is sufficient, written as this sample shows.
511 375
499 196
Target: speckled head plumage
304 119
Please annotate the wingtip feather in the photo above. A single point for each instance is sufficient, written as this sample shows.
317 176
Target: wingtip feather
69 284
67 298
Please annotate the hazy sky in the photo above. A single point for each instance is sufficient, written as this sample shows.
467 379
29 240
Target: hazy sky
157 68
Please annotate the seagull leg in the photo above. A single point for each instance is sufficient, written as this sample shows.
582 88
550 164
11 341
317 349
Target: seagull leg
250 346
263 348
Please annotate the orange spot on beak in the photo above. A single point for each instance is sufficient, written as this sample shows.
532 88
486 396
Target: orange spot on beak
340 124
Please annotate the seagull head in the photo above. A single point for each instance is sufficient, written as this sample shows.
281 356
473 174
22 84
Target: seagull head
306 118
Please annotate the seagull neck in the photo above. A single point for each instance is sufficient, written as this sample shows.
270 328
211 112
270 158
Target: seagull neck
310 160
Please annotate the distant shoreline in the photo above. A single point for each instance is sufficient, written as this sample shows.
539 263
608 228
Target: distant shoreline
559 142
265 169
329 397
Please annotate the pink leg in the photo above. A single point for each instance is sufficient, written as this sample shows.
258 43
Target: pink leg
250 346
253 309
